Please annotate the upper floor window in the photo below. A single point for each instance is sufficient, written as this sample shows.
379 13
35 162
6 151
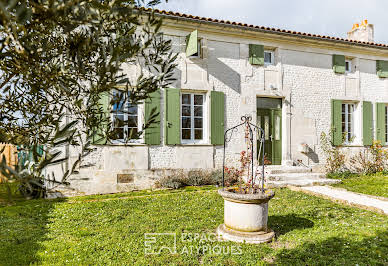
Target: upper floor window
125 118
268 57
198 54
192 117
348 110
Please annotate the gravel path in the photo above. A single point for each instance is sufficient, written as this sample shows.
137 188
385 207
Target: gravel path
352 198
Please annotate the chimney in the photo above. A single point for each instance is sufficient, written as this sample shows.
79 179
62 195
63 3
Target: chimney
363 32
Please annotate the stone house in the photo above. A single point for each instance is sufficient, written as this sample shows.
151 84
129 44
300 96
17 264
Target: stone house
294 85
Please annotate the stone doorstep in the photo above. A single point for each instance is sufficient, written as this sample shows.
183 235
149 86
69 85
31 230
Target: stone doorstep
302 183
279 169
295 176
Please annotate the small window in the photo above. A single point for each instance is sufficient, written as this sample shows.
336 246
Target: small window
192 117
348 66
268 57
348 110
125 118
199 53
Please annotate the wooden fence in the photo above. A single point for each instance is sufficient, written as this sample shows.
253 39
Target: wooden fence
11 155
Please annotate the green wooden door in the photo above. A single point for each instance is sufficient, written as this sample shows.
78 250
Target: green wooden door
271 121
276 136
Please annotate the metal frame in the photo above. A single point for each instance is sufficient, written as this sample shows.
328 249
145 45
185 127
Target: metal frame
227 138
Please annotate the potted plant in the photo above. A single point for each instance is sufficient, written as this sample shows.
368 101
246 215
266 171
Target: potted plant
246 205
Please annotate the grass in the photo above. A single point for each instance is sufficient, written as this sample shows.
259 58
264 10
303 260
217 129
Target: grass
110 229
376 184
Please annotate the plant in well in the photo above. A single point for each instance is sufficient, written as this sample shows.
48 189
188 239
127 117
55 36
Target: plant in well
246 206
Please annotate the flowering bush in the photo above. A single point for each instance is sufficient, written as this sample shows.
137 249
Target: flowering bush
372 160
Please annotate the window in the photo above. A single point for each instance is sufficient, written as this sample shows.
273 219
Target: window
192 118
348 66
125 118
199 49
348 121
268 57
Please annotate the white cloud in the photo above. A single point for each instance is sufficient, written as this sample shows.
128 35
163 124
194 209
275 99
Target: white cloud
328 17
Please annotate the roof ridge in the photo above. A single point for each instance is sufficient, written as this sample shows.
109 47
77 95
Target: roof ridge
269 29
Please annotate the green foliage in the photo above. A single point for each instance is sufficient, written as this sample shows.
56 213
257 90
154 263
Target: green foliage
343 175
59 58
181 179
103 230
335 159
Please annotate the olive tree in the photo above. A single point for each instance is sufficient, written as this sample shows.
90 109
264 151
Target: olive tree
58 58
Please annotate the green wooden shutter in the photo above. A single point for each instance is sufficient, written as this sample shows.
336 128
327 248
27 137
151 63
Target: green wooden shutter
152 111
382 68
217 117
336 122
103 104
192 43
380 122
256 54
367 123
339 63
172 121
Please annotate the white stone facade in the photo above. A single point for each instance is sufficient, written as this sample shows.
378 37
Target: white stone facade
302 76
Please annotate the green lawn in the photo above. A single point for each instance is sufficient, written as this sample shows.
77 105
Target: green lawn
110 230
376 184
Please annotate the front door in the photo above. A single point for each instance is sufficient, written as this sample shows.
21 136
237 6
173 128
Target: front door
270 120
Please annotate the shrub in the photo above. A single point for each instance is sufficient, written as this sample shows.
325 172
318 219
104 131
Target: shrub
335 159
195 178
372 160
343 175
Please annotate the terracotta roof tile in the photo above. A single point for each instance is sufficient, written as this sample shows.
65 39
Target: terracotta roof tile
176 14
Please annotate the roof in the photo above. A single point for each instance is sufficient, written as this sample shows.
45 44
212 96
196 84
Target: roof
172 14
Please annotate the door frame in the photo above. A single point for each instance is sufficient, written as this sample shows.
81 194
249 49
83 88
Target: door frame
279 159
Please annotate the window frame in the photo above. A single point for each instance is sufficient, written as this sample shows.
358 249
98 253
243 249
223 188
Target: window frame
205 127
346 122
272 53
139 122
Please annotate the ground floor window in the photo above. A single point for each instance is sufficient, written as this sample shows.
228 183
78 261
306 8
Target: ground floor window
192 117
348 121
125 118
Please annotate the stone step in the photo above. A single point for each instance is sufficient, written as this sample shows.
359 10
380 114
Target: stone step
302 183
278 169
295 176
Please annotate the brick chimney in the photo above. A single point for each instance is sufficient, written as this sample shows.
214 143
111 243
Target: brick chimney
363 32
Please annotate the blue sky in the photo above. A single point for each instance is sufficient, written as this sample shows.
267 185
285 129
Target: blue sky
325 17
